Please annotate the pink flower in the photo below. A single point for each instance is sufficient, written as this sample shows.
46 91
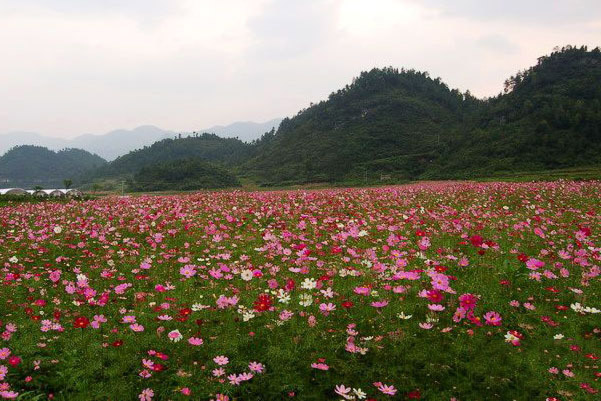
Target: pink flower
136 327
4 353
175 335
129 319
379 304
327 308
195 341
256 367
146 395
221 360
188 271
342 390
320 366
534 264
362 290
568 373
385 388
492 318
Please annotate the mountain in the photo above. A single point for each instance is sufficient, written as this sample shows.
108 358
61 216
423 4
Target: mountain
385 120
120 142
549 117
207 147
109 145
246 131
409 125
29 166
18 138
183 175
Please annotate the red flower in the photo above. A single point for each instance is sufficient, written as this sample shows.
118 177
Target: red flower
185 311
476 241
14 360
117 343
81 322
263 303
347 304
414 395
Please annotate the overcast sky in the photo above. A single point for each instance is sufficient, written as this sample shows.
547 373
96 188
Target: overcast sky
76 66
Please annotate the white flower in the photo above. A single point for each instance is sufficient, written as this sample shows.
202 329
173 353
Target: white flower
82 278
283 296
306 300
510 337
309 284
558 336
247 315
198 307
359 393
58 229
246 275
362 233
14 259
403 316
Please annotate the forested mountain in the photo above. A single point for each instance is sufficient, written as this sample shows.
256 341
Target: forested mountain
385 120
207 147
548 117
406 123
30 166
183 175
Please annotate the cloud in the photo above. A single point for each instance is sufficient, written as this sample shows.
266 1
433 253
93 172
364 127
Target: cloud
533 11
288 29
72 66
497 43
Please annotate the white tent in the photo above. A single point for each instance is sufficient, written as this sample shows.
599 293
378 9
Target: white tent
73 192
13 191
54 192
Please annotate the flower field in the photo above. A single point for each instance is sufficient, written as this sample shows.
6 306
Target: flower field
438 291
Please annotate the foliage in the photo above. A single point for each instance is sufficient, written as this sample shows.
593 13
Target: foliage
187 174
207 147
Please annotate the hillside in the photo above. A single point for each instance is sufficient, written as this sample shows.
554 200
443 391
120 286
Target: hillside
183 175
549 117
408 124
207 147
386 119
30 166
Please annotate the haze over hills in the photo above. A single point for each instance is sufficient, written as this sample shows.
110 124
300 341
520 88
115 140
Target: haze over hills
246 131
119 142
29 166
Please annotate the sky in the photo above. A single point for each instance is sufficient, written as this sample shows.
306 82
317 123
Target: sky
70 67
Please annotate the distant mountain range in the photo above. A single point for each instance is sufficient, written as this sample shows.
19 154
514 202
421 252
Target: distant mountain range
117 143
